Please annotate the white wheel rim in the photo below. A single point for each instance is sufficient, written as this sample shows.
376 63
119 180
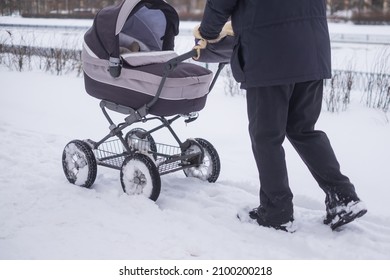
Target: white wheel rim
139 144
142 146
205 169
137 179
76 164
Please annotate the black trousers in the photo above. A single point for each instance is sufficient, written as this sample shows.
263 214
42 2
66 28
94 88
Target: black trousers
291 111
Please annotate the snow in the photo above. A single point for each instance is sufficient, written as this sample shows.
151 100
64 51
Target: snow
43 216
17 20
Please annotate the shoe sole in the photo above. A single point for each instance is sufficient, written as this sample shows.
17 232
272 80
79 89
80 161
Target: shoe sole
290 228
345 219
253 218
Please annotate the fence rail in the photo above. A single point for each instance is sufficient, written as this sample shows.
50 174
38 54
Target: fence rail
44 26
360 38
335 37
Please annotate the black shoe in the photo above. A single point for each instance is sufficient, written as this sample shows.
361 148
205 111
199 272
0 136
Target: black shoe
344 213
255 214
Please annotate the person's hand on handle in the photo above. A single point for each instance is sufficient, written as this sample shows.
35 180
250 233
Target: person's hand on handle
201 43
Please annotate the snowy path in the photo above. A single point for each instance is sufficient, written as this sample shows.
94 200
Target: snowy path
42 216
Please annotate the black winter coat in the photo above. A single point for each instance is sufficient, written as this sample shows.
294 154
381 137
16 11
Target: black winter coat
277 41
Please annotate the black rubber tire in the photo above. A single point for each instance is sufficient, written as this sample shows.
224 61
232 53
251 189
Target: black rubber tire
79 163
149 139
210 168
139 176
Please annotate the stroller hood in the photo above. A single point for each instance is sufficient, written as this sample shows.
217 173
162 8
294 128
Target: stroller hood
152 23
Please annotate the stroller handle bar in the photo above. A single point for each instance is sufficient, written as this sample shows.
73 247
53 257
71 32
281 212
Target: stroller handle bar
171 64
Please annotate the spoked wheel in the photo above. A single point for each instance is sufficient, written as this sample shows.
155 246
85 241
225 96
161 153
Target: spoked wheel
145 145
139 176
79 163
210 167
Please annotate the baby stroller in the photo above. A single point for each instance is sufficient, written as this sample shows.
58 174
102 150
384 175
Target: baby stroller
129 64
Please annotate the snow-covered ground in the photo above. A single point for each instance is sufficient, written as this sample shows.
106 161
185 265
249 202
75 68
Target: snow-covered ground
42 216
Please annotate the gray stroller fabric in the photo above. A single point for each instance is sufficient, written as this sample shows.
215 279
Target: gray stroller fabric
146 58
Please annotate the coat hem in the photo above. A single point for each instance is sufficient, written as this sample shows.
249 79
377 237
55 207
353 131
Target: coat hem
285 81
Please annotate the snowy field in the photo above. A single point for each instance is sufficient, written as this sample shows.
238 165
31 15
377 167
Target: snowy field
42 216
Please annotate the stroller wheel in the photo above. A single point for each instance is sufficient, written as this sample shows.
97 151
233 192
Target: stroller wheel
145 145
79 163
139 176
210 167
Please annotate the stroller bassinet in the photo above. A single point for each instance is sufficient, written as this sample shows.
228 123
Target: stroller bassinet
117 72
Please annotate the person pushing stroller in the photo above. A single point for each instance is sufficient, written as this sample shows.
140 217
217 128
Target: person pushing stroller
281 56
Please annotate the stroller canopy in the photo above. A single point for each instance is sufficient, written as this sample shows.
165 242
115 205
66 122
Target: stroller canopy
153 24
